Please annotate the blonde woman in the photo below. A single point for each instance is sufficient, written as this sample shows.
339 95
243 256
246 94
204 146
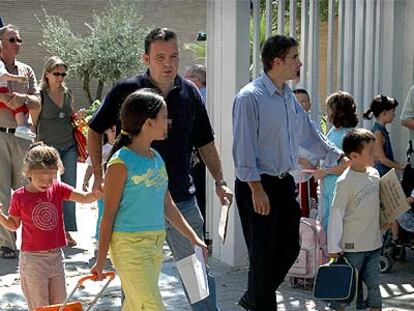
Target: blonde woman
55 129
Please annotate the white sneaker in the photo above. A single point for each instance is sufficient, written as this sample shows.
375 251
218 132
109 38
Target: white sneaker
24 132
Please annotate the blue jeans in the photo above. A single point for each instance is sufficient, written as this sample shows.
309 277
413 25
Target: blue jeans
69 158
181 247
367 264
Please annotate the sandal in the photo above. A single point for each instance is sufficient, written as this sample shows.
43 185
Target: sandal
7 253
69 240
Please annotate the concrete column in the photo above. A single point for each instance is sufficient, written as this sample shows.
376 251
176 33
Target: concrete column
281 17
256 39
340 47
304 34
330 47
228 71
313 58
369 57
349 46
292 18
360 28
269 20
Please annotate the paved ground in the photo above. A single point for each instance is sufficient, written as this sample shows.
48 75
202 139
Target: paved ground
397 287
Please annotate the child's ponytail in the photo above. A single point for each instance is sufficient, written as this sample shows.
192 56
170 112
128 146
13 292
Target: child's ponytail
379 104
368 114
124 139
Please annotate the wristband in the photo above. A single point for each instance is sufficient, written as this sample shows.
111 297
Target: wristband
220 183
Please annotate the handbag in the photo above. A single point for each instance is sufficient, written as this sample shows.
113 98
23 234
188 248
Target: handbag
79 128
336 281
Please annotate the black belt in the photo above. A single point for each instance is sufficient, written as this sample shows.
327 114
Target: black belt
283 175
7 130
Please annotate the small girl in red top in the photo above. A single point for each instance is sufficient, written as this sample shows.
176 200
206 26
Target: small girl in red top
38 206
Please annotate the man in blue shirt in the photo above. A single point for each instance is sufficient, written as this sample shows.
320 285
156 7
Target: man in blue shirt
190 127
196 73
269 125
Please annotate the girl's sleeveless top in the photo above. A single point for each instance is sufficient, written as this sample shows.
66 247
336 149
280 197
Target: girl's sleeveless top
142 203
383 169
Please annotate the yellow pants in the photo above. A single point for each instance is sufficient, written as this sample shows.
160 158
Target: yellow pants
137 258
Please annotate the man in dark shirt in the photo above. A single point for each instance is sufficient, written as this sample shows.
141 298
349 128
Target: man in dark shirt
189 127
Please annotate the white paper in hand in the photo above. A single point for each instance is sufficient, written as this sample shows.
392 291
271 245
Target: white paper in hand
192 270
224 217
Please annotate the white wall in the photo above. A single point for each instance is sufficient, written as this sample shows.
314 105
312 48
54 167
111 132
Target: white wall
227 65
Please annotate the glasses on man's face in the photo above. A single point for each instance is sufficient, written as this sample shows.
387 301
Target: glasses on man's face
57 74
15 39
295 57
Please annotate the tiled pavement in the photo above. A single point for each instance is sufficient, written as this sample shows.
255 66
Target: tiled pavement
397 287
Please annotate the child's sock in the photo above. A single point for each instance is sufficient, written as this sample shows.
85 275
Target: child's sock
24 132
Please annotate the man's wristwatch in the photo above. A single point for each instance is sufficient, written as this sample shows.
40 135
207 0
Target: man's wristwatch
220 183
340 158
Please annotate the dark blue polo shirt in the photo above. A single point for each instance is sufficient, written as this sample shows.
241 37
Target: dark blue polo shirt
189 127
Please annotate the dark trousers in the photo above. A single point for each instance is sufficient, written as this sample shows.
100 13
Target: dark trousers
272 241
198 172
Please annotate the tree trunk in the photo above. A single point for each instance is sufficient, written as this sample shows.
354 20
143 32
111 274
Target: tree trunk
99 90
86 82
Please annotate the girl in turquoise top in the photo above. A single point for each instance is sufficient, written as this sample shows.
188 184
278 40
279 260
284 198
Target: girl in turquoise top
341 110
136 200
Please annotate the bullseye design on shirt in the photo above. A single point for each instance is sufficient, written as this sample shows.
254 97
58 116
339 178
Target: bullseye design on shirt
45 216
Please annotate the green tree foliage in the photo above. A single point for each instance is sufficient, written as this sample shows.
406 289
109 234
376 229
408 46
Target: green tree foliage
199 48
108 49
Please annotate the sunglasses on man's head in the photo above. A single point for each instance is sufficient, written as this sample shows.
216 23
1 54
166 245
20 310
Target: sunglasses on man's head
14 39
57 74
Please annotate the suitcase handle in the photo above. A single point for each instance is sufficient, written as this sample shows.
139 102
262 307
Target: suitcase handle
320 208
94 277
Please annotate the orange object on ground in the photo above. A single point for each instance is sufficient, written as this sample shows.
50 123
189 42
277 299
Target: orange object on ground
76 305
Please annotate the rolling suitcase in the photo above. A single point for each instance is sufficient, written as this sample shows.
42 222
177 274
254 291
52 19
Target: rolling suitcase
313 251
76 305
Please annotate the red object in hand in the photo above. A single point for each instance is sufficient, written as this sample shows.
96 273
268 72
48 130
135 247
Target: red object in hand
79 125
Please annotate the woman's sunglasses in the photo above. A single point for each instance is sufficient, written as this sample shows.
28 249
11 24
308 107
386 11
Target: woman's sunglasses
57 74
14 39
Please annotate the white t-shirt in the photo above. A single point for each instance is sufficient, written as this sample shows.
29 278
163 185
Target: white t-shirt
3 83
355 213
106 150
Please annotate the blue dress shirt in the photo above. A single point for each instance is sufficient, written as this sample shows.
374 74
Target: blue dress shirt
269 125
203 92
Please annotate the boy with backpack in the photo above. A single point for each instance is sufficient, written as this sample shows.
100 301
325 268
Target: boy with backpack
354 229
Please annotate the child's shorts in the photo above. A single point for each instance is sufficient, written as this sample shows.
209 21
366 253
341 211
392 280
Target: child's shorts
42 277
23 109
3 105
367 264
